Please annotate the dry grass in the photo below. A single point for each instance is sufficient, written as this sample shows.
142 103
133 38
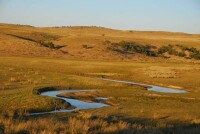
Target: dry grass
161 72
85 96
133 107
73 39
85 123
133 110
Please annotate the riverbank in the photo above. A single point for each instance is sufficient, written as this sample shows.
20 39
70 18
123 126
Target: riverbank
74 103
132 104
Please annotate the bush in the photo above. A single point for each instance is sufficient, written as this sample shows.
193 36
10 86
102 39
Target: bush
195 56
48 44
149 50
193 50
136 47
194 53
165 49
181 54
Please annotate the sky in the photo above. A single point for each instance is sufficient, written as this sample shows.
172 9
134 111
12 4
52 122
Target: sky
144 15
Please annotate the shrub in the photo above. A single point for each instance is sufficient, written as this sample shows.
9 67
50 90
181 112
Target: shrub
165 49
193 50
149 50
181 54
194 53
195 56
136 47
50 45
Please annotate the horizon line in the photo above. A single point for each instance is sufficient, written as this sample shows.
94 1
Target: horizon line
130 30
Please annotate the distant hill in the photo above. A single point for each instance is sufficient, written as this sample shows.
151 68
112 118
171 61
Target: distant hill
96 43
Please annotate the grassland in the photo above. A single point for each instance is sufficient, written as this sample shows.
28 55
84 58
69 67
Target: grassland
133 109
86 42
72 57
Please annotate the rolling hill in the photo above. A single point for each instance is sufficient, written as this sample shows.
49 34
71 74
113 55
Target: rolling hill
93 43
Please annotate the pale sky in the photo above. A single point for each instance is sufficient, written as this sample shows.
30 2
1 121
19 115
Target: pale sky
154 15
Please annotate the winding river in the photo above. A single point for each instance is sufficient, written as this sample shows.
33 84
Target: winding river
149 87
80 105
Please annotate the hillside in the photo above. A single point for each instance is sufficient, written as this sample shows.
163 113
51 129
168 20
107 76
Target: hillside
90 42
146 82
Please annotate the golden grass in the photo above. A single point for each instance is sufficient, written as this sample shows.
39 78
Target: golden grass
73 39
85 123
133 107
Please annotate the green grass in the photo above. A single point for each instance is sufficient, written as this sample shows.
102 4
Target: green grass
131 104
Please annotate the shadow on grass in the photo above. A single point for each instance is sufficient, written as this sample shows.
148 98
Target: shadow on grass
42 43
23 38
123 125
154 126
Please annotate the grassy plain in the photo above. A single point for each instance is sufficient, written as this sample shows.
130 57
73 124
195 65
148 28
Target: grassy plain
76 56
133 109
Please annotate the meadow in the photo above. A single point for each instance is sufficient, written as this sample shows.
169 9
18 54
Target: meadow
94 43
35 59
133 109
